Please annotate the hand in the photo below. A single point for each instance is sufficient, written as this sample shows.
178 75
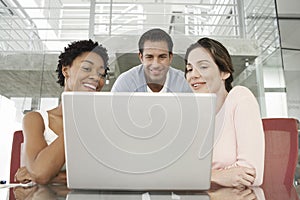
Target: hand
36 192
61 178
232 194
22 193
59 190
234 177
22 175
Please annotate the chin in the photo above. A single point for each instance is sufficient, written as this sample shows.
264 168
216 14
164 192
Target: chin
199 91
156 79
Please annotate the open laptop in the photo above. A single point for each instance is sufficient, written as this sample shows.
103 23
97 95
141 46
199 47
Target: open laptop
138 141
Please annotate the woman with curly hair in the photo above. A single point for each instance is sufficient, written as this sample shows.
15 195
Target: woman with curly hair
81 67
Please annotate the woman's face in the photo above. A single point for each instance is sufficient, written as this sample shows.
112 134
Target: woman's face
203 74
87 73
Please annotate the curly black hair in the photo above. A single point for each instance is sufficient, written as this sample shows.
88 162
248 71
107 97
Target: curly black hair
74 50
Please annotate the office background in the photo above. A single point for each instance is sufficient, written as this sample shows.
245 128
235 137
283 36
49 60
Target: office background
261 35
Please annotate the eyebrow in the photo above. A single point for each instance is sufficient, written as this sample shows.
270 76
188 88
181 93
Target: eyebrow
88 61
198 62
150 54
92 63
201 61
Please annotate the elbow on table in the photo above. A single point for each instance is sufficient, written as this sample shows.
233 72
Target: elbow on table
41 178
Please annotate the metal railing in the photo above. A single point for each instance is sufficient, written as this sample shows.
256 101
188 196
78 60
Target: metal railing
49 27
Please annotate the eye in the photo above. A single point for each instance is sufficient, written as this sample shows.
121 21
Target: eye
202 67
163 56
148 57
85 68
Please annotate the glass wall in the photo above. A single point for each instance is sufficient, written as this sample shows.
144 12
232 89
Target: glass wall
261 25
34 32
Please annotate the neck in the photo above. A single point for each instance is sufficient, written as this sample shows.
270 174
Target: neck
221 97
155 87
58 110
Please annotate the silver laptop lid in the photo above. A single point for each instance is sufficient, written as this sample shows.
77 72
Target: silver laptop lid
138 141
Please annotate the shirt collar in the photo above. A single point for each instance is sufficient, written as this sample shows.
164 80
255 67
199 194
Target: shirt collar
165 87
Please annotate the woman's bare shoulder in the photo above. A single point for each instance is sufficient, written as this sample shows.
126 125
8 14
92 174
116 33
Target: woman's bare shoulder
33 121
33 115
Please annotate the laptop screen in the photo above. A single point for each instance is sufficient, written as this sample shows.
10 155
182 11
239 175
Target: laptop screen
146 140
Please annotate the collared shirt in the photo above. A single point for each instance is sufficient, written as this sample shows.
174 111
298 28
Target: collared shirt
134 80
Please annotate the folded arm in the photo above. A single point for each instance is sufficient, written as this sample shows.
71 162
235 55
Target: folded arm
42 161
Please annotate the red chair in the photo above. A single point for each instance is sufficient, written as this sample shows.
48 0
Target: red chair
15 161
281 156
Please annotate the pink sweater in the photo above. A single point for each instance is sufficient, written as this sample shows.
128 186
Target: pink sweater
239 136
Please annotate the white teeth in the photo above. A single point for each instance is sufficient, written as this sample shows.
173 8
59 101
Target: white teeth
196 85
90 86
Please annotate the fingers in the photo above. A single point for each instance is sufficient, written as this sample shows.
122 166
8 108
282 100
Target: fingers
24 192
246 180
239 177
22 175
247 194
245 177
60 178
250 171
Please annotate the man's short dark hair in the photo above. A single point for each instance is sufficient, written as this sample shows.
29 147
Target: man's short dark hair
156 35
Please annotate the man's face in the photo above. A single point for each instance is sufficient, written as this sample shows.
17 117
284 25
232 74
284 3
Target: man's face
156 61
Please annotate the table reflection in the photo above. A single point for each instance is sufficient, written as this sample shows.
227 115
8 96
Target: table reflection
79 195
50 192
35 192
237 193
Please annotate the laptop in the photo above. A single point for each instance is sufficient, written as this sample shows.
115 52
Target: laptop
100 195
138 141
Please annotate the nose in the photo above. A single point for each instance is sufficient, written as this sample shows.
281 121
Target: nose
94 76
155 61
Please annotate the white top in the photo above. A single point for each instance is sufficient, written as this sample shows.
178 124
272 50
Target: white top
49 134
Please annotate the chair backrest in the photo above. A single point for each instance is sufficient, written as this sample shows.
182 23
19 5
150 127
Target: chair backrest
15 161
281 150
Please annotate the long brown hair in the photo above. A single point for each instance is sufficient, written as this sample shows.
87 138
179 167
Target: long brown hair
220 55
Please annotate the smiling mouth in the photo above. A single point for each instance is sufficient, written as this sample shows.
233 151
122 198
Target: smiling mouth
155 71
90 86
196 85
